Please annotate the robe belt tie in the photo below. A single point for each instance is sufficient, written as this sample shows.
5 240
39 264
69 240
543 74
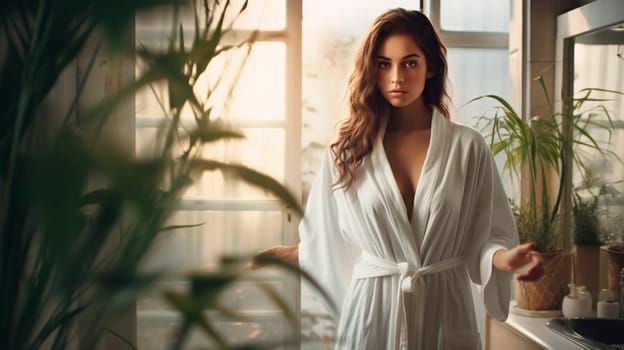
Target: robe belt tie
410 281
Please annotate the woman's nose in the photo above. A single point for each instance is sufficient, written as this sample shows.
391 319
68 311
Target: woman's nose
396 77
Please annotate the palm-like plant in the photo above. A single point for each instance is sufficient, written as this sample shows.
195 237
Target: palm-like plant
540 147
71 252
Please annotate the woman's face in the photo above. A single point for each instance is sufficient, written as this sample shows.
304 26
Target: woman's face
401 70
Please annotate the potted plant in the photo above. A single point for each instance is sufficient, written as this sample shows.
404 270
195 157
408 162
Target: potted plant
541 151
588 238
70 251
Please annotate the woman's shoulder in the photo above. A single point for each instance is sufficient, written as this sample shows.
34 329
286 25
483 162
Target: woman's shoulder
467 135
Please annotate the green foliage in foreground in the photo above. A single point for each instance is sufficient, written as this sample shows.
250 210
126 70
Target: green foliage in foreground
77 214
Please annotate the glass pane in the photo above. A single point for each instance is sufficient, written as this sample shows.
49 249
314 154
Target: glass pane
598 63
240 84
260 89
475 15
259 14
150 103
220 233
199 248
476 72
262 150
244 295
158 332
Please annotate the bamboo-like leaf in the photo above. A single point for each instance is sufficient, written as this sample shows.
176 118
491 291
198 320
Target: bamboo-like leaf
273 261
542 83
213 131
252 177
243 7
278 300
205 287
122 338
58 319
177 227
182 303
193 314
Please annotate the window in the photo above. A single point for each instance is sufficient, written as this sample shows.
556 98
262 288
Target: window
237 218
490 16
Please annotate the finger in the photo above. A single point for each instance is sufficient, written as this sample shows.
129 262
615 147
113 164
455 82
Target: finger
252 265
526 247
536 258
534 272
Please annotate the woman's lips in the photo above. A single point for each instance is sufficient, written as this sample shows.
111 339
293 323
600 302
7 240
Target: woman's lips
397 93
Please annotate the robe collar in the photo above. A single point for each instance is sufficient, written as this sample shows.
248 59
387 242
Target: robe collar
413 231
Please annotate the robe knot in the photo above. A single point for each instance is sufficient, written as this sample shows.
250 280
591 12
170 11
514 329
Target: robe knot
410 278
410 281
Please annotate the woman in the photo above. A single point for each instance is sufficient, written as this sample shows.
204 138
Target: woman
408 206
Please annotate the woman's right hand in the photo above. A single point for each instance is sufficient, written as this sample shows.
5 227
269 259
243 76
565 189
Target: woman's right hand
288 253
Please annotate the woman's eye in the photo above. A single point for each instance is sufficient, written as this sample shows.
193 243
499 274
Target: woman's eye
410 64
383 65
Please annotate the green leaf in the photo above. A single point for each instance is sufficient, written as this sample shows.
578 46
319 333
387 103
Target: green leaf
177 227
214 131
252 177
273 261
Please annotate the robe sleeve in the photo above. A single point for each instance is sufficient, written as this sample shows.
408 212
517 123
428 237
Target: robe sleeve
493 227
323 253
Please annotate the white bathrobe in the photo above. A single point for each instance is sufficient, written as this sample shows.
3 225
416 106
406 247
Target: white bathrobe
401 283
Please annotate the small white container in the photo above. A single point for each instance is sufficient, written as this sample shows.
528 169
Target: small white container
607 306
577 303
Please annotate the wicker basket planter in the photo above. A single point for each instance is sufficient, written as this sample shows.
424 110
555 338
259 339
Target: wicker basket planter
547 292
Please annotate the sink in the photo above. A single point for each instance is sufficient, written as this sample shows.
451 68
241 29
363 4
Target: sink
590 333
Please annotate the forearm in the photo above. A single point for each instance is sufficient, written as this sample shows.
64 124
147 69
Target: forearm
288 253
522 260
500 261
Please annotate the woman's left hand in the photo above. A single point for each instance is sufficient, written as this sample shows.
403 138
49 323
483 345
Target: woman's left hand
287 253
522 260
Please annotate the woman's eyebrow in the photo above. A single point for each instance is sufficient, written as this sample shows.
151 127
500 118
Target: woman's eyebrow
380 57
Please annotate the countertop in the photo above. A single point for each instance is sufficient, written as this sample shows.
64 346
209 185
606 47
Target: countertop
535 329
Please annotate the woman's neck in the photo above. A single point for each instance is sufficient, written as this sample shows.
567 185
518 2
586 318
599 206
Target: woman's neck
416 116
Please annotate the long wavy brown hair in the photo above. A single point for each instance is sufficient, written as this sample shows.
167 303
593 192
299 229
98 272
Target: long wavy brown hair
367 106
